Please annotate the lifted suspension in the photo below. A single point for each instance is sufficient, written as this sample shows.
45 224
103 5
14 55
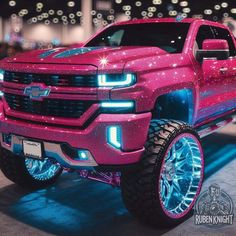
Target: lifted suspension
111 178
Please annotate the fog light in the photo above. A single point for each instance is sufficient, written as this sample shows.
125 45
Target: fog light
114 136
82 155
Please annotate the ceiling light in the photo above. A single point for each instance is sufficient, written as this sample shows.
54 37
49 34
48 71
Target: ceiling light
71 4
173 13
55 20
51 12
25 11
73 21
12 3
186 10
45 15
208 11
183 4
39 5
79 13
64 18
59 12
224 4
126 7
233 10
99 16
143 13
157 2
47 22
72 16
34 19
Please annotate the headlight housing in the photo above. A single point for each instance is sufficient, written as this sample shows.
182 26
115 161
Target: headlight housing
116 80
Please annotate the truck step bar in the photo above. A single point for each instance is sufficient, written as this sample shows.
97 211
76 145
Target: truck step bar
212 127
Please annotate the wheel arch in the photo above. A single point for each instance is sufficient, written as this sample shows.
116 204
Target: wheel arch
177 104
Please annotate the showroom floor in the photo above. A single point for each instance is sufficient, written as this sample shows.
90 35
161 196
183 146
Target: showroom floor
81 207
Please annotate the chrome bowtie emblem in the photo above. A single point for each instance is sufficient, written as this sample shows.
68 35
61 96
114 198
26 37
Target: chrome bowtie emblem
36 92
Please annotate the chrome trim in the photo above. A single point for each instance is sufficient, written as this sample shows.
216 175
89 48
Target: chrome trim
52 150
215 126
224 69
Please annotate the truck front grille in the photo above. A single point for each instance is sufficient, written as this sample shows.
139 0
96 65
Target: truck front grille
51 80
48 107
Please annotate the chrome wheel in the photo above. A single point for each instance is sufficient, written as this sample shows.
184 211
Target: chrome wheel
42 170
181 176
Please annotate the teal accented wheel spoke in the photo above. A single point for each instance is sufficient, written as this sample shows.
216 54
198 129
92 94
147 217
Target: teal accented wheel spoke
180 175
41 170
169 192
177 187
179 151
180 163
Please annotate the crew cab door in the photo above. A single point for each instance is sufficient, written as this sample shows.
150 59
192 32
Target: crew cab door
228 91
216 82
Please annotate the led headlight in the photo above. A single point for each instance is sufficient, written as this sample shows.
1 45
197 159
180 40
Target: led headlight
116 80
118 107
125 104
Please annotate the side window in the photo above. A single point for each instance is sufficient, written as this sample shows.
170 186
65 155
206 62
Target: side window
204 32
221 33
113 39
116 38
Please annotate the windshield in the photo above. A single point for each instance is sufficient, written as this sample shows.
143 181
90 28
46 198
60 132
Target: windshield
167 36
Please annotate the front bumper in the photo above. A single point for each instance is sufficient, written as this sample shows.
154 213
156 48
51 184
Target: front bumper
94 139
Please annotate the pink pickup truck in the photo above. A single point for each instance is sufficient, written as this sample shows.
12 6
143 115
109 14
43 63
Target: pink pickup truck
127 109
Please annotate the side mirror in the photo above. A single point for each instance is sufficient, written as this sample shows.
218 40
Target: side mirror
213 48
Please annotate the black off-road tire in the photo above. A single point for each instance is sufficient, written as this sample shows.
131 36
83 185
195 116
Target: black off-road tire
14 169
139 186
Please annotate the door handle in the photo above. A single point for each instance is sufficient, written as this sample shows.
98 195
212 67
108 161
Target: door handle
223 70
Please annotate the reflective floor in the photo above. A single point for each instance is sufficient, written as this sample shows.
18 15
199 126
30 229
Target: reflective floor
82 207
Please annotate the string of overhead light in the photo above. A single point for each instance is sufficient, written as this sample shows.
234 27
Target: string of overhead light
72 14
159 8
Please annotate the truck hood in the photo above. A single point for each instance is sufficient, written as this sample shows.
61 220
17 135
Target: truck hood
101 57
